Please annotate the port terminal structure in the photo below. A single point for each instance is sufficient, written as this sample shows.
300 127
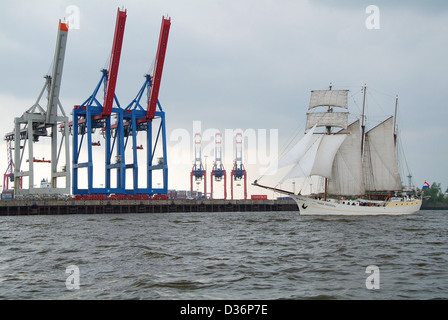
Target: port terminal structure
121 135
39 123
198 172
118 127
238 172
218 171
90 116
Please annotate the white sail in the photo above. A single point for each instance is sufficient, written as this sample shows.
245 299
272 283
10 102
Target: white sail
298 151
327 119
380 161
332 98
303 167
293 155
318 160
325 156
347 176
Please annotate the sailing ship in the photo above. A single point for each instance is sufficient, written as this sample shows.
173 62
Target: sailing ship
359 167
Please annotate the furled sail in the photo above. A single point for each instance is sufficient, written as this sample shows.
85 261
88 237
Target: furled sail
347 175
331 98
380 160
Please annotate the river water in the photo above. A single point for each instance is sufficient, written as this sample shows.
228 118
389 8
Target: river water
238 256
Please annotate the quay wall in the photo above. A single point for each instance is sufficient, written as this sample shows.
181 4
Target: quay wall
60 207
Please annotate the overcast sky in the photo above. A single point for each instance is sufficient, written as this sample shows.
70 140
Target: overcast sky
245 64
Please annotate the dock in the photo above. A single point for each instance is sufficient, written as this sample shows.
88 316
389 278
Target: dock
65 207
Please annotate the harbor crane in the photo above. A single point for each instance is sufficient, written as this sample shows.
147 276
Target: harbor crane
198 171
137 119
92 115
238 171
218 171
158 69
8 176
39 122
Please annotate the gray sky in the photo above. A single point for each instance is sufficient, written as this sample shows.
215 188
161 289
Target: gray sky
245 64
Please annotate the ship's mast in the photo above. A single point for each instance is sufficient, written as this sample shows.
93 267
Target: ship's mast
363 125
395 121
328 132
327 119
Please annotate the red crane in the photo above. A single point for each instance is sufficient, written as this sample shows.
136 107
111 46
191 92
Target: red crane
113 67
158 69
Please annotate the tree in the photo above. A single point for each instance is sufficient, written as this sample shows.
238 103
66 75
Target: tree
435 193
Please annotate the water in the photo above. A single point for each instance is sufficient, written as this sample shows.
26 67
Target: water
262 255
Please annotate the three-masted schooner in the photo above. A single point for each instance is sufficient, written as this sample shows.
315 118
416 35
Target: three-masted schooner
357 165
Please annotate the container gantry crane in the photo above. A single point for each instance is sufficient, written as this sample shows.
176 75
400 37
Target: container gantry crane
198 171
218 171
238 171
8 176
37 123
92 115
137 119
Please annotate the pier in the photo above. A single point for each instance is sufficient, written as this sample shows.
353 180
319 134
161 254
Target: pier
64 207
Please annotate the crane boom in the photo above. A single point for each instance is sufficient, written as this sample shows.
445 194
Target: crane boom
158 68
58 64
114 63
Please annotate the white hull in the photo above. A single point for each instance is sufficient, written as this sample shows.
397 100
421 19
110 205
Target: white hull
310 206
